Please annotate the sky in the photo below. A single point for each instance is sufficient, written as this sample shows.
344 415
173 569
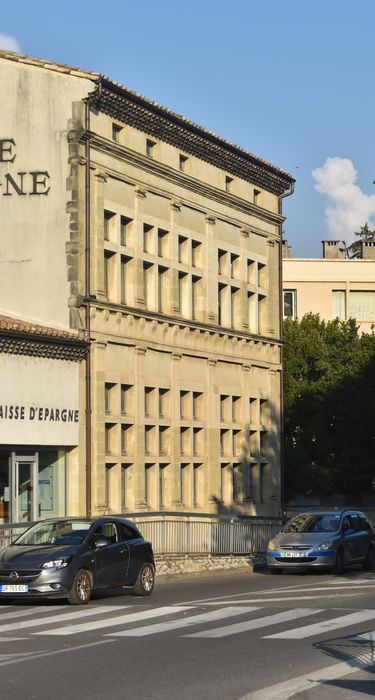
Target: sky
291 82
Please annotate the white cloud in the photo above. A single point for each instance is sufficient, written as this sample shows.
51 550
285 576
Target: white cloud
348 208
9 43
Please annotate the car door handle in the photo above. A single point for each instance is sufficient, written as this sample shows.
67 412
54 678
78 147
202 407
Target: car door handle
122 551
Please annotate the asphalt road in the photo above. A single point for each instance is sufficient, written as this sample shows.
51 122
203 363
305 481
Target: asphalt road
248 636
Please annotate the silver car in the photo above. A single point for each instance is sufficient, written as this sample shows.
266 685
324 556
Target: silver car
323 540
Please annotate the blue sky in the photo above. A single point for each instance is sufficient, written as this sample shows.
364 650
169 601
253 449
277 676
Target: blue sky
292 82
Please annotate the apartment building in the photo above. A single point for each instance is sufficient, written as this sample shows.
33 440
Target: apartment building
154 247
333 286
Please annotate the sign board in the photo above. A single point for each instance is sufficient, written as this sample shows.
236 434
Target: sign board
39 402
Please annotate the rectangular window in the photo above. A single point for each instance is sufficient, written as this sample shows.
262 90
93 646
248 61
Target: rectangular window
256 196
124 278
290 303
163 403
197 405
109 263
338 304
162 243
150 148
196 254
163 440
125 230
162 288
362 306
108 397
109 445
148 239
197 472
149 439
183 250
182 161
125 438
126 399
184 405
147 283
116 131
183 284
228 183
125 486
109 225
149 396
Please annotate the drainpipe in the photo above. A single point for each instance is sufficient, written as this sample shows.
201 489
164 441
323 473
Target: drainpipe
281 322
88 309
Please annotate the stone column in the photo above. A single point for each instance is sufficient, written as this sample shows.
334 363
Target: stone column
211 311
140 195
139 426
97 234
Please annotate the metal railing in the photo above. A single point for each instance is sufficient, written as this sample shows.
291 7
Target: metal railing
179 534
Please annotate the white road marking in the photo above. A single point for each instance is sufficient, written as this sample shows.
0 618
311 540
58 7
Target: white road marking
118 620
16 612
256 623
325 626
284 599
87 612
308 681
183 622
36 655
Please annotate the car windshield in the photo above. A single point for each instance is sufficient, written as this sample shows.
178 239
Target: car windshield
55 533
313 522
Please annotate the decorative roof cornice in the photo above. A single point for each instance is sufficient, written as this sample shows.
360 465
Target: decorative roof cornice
136 111
162 123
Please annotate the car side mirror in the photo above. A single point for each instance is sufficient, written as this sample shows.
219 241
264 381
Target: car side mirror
100 542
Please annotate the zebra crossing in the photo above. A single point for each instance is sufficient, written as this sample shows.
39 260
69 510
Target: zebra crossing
191 621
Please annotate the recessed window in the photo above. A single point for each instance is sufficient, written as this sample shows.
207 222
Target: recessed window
116 131
256 195
183 160
150 146
228 184
109 225
125 230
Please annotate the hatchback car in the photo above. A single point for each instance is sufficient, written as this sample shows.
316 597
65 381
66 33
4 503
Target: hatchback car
316 540
71 557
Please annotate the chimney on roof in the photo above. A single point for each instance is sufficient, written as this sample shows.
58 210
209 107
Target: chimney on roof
332 250
368 250
286 249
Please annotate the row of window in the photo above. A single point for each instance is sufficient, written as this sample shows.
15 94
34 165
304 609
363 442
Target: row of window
238 484
183 160
119 401
356 304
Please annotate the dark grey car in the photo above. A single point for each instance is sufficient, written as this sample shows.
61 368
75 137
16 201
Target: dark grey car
70 557
323 540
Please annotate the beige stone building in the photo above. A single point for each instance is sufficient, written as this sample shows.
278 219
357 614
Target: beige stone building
134 232
333 286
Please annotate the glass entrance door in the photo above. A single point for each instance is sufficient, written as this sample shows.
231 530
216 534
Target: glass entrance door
24 491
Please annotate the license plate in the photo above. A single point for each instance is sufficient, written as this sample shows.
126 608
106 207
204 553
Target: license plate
293 555
13 588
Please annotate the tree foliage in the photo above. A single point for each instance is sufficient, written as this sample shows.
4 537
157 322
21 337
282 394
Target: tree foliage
329 393
364 234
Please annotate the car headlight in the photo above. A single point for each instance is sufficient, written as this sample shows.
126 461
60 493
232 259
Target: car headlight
324 547
271 546
56 563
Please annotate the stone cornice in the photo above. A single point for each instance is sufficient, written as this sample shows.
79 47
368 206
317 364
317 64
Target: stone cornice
154 120
126 155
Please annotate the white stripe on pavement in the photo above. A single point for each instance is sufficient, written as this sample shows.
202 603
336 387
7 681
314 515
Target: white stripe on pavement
118 620
284 599
183 622
87 612
256 623
308 681
16 612
325 626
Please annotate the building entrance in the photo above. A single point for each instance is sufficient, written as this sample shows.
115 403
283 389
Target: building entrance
32 486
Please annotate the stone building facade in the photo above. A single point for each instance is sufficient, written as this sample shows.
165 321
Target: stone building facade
160 244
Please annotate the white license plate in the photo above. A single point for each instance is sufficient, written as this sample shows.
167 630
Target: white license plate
13 588
293 555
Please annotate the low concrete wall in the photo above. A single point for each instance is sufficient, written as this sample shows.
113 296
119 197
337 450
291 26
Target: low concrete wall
188 564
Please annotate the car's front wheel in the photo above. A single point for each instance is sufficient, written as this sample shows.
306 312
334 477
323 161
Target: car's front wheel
338 566
368 563
145 580
80 592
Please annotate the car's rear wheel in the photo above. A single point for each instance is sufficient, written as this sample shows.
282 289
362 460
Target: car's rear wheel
368 563
338 566
276 571
80 592
145 580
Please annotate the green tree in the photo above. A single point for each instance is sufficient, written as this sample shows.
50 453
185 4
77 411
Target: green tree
329 393
364 234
